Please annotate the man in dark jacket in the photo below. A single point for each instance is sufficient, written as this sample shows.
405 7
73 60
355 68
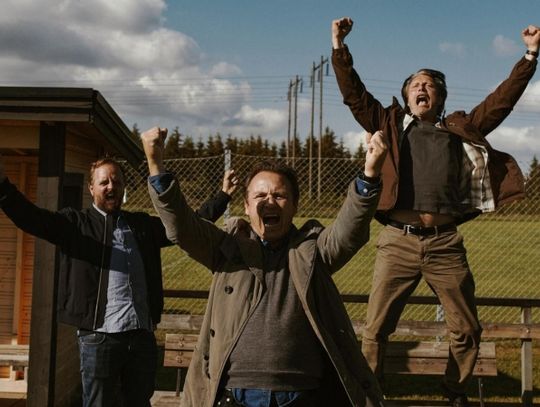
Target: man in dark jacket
110 284
440 171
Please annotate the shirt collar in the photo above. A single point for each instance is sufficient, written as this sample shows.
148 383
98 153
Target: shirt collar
105 214
99 210
409 119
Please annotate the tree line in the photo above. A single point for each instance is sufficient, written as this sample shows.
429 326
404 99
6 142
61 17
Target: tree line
180 145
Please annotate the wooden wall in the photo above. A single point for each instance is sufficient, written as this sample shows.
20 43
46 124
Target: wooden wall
16 260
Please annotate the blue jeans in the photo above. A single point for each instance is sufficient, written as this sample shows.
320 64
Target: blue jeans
117 369
268 398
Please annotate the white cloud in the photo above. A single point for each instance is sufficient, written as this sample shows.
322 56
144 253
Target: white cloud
453 48
530 101
249 118
504 47
225 69
352 139
521 142
150 74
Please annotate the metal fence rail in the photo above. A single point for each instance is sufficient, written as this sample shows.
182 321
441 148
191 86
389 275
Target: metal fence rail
503 247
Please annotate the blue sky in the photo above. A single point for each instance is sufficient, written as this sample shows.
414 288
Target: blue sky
224 66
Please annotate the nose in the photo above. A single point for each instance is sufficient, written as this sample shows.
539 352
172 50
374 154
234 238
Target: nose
267 201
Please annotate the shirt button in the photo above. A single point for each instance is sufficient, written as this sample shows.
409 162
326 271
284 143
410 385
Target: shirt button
212 332
229 289
366 384
365 190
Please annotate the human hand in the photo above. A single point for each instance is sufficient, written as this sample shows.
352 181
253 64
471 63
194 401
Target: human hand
153 141
375 155
340 29
531 37
230 182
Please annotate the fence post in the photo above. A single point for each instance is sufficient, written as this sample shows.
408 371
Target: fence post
526 362
227 160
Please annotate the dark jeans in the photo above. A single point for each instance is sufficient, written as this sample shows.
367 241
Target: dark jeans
117 369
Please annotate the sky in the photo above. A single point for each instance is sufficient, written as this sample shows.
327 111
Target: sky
225 66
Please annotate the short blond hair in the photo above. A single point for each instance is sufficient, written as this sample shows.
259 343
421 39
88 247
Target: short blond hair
104 161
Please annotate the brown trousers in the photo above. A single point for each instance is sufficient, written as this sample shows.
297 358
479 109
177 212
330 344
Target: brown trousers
402 260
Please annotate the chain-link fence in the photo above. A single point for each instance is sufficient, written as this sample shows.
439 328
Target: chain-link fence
503 247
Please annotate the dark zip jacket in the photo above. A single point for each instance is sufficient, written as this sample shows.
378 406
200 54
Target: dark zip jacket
84 240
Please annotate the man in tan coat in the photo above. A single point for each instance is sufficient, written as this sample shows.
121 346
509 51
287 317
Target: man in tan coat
275 332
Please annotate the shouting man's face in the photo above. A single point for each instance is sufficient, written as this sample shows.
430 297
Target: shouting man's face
270 205
422 98
107 188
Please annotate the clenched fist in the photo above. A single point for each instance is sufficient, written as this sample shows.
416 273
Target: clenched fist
376 153
153 141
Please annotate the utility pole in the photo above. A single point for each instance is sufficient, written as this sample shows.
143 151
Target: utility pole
311 132
297 81
288 146
319 69
292 93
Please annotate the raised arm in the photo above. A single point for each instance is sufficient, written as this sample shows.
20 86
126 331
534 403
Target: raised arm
499 104
340 241
215 207
51 226
199 238
367 110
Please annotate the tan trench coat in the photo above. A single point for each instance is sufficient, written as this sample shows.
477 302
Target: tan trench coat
235 259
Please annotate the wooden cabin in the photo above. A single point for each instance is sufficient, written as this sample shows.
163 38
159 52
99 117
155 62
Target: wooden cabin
48 138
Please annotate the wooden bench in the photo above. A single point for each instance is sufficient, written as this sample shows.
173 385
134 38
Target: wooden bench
178 352
16 357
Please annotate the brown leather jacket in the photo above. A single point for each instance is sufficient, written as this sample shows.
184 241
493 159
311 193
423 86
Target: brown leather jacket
506 177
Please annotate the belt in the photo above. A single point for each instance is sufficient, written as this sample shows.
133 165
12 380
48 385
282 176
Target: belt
422 230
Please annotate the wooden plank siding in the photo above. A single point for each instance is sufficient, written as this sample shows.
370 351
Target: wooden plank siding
16 261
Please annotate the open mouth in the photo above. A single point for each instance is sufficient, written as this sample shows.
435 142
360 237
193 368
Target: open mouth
422 100
271 220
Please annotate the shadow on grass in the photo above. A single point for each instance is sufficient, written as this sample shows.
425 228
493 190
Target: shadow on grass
499 390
